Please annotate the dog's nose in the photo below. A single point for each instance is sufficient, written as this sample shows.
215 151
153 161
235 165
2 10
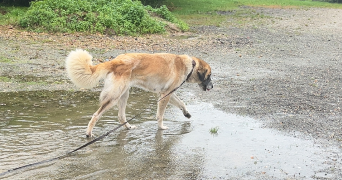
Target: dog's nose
210 86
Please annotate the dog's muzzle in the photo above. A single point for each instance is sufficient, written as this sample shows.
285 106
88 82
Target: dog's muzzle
209 86
206 85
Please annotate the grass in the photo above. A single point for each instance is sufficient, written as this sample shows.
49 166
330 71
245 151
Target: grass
36 83
214 130
25 80
181 7
204 12
10 15
5 59
4 79
290 3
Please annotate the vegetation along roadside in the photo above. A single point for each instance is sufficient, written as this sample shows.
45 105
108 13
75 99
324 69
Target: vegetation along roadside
127 17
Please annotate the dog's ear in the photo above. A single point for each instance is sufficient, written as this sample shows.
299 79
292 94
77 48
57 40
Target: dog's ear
203 69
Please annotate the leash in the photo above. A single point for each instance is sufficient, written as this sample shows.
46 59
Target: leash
98 138
68 153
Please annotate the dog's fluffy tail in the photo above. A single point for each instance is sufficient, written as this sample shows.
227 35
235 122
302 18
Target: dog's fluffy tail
81 70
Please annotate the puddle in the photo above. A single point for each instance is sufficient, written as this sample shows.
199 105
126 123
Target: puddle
242 149
39 125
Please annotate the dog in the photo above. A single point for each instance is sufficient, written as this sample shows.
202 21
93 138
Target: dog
160 73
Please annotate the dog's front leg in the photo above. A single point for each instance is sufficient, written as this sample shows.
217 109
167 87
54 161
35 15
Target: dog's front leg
174 100
161 110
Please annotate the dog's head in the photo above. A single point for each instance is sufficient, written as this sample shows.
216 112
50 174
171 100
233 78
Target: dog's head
203 72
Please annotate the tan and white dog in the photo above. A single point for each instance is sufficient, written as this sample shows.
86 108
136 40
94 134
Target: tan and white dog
160 73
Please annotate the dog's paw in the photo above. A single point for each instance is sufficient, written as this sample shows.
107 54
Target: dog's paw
187 115
163 127
89 135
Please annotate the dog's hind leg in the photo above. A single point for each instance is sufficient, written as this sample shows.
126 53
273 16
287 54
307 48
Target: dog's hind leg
174 100
161 110
96 116
110 95
122 108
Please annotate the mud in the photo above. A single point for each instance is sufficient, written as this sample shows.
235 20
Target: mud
281 72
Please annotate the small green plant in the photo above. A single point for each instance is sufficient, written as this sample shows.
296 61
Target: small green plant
123 17
214 130
4 59
4 79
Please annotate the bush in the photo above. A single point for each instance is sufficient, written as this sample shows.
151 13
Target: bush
124 17
10 15
164 13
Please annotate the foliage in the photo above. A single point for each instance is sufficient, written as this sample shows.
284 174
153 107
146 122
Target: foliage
164 13
125 17
11 15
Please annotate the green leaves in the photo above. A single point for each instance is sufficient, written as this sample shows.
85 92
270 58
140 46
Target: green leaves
164 13
124 17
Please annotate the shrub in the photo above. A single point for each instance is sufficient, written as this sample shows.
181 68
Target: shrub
11 15
124 17
164 13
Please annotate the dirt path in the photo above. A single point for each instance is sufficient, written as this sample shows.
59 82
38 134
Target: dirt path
284 70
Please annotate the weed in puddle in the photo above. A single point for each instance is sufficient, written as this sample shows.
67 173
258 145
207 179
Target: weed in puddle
214 130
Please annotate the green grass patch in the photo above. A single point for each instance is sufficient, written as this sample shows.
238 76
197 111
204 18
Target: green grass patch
181 7
4 79
27 80
5 59
36 83
122 17
203 19
290 3
204 12
10 15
